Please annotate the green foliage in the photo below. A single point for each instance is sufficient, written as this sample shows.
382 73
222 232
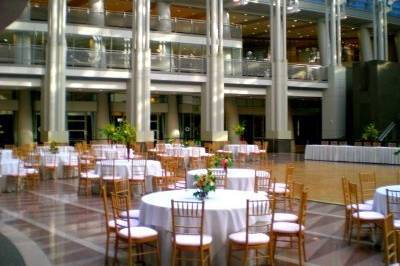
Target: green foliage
108 131
221 161
370 132
124 133
239 129
204 184
53 147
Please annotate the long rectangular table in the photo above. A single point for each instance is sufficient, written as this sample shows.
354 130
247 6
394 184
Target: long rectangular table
359 154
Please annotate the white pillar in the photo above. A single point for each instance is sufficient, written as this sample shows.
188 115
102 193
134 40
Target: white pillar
103 112
164 15
364 38
212 99
227 24
25 133
379 11
334 98
323 43
23 41
232 119
276 100
53 114
397 43
172 117
138 103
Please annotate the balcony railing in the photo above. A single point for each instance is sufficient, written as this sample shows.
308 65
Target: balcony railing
91 58
125 20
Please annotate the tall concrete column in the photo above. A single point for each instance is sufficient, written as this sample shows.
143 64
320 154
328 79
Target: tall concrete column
380 30
97 13
232 119
212 98
323 43
397 43
172 117
138 103
276 99
22 41
364 38
227 24
164 14
334 98
53 114
25 126
103 112
228 62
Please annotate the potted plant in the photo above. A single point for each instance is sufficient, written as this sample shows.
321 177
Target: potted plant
108 131
239 130
125 134
53 147
370 133
204 184
223 161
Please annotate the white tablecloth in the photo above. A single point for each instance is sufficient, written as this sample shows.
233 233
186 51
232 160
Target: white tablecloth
359 154
8 167
236 148
380 198
61 159
225 213
238 179
5 155
123 169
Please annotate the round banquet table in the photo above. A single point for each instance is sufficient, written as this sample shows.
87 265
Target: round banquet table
225 213
236 148
123 169
238 178
61 159
8 167
5 155
379 204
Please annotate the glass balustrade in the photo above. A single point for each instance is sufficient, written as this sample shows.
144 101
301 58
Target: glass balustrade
125 20
117 59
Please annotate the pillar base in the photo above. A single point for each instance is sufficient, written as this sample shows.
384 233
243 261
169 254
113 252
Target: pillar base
25 137
56 136
209 136
280 145
144 136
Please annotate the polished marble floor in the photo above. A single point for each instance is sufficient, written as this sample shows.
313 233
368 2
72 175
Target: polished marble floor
53 226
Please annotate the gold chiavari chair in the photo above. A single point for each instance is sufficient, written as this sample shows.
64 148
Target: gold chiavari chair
87 174
108 173
358 217
257 235
50 165
393 206
390 239
19 176
287 207
122 186
71 166
367 187
263 181
134 237
32 165
221 178
188 232
291 229
137 175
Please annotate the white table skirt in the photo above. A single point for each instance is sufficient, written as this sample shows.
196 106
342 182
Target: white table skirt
123 169
5 155
359 154
238 179
380 198
236 148
225 213
8 167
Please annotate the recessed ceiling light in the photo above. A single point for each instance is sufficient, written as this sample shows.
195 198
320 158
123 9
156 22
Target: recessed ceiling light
246 20
245 14
255 28
295 20
310 22
263 16
293 26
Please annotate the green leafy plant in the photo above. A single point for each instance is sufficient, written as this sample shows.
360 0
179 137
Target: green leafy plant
53 147
239 129
222 161
204 184
370 132
108 131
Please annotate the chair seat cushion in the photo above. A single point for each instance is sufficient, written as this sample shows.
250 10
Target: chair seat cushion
192 240
31 171
286 227
70 164
123 223
280 190
396 224
361 207
137 232
89 174
285 217
110 177
135 213
280 185
137 178
368 215
262 151
254 239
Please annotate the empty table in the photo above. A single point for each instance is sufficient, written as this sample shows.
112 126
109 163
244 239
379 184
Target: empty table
380 198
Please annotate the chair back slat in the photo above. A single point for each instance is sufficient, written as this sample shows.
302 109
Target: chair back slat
390 240
393 203
367 185
258 216
221 180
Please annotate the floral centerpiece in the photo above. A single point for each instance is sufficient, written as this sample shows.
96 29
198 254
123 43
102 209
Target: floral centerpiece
223 161
53 147
204 184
